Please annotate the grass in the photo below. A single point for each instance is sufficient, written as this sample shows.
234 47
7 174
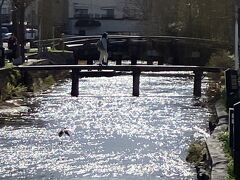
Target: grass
195 153
11 91
224 137
8 65
12 86
43 83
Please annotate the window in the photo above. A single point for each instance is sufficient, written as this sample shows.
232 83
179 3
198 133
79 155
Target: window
81 12
4 11
109 13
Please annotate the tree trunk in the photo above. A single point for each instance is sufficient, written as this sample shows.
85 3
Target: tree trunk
22 31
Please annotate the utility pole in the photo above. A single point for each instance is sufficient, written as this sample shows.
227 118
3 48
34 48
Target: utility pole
22 30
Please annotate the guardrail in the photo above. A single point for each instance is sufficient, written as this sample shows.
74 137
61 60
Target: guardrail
233 106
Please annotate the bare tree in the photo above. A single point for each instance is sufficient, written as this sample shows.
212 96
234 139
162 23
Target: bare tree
211 19
18 18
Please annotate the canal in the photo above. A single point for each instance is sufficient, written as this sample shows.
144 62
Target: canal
114 135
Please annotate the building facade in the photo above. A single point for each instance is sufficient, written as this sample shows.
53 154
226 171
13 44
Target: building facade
81 17
6 11
91 17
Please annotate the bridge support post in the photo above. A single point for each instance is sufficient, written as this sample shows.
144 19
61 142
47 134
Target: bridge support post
149 62
75 83
136 82
119 60
197 83
133 61
160 60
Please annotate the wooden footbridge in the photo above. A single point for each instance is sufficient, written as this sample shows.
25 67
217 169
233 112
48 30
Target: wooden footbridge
187 54
134 69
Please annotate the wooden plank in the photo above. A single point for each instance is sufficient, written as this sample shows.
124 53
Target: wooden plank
149 68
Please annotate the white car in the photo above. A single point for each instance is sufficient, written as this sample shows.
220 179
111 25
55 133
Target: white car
5 33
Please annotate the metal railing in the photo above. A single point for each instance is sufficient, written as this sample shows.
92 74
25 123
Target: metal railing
233 106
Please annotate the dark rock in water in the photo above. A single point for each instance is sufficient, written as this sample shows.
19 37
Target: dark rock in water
201 104
63 131
202 175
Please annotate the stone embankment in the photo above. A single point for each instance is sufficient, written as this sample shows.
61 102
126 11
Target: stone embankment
218 159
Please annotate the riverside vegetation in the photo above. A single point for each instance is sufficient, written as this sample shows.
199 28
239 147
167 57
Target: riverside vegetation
13 85
197 152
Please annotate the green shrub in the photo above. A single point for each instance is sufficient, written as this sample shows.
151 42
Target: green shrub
11 91
221 58
43 83
224 137
195 153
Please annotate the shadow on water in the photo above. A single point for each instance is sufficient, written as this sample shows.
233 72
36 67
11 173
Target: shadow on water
22 119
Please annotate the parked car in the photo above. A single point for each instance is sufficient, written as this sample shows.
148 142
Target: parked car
31 34
5 34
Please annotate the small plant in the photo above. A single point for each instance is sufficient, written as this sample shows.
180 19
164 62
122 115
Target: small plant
221 59
195 153
11 91
43 83
224 137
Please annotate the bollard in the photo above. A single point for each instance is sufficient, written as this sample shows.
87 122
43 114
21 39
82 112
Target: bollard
230 127
136 82
232 90
236 140
197 83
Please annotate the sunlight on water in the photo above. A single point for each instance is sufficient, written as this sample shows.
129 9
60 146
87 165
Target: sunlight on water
114 135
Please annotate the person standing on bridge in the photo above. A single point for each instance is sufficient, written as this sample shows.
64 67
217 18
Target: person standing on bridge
12 45
102 48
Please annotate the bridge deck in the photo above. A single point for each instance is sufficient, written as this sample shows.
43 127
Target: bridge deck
144 68
135 69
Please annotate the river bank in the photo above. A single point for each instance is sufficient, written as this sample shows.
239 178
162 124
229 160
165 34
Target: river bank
208 154
215 148
16 86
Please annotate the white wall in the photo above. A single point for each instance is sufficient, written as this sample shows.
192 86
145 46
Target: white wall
118 24
97 6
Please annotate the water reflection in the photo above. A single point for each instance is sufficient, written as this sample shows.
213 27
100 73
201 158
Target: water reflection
116 136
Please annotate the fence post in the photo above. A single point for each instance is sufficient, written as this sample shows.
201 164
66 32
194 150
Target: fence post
230 127
232 90
62 40
236 140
